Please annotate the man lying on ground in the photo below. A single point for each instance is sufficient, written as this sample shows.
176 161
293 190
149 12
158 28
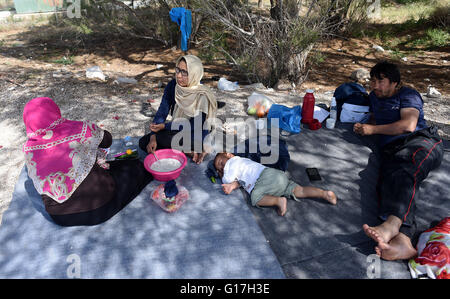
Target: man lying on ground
409 151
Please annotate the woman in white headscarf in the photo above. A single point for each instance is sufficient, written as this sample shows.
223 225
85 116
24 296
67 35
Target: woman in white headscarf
186 99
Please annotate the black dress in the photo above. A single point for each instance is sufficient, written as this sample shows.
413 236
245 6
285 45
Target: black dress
102 194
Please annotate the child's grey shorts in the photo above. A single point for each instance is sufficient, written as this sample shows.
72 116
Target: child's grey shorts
272 182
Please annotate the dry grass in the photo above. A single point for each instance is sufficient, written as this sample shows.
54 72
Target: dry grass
393 13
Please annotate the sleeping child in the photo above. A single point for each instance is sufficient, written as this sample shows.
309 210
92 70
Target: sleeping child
266 186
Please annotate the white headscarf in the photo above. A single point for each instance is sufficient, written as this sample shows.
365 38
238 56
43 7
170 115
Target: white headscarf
195 98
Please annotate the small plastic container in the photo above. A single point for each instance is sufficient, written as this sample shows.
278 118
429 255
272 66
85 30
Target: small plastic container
172 204
331 122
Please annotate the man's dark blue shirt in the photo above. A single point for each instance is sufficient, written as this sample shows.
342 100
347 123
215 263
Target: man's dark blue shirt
387 110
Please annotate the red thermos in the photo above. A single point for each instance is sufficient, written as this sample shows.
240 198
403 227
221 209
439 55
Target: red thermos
308 107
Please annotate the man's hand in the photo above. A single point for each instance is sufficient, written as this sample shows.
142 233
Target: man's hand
151 146
364 129
228 188
406 124
157 127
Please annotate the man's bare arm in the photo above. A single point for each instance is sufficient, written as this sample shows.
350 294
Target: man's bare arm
406 124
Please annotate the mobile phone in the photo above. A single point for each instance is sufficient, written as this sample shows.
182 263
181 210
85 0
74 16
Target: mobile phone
313 174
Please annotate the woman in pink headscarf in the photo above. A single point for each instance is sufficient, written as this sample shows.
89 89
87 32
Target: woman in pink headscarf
61 159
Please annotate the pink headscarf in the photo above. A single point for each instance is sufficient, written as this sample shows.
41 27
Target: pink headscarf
59 153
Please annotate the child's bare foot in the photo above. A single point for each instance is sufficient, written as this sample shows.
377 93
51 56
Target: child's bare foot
282 205
399 248
272 201
330 197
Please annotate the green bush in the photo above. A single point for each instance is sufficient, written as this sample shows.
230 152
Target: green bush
441 16
438 37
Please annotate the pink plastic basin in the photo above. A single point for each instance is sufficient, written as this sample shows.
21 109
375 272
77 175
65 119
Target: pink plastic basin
164 154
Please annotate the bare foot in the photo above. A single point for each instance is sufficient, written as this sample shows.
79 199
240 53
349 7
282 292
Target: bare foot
399 248
377 234
384 232
373 233
282 206
330 197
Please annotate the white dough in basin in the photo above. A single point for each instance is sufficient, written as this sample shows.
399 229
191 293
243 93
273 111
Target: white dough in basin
165 165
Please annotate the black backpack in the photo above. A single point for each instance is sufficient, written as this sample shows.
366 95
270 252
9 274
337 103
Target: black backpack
351 93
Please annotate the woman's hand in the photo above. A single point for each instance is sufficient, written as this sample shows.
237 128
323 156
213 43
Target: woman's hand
157 127
151 146
198 158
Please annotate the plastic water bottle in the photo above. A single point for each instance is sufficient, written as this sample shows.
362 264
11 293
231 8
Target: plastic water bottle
333 108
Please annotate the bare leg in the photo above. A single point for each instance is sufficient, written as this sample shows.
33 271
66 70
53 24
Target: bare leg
270 201
313 192
399 248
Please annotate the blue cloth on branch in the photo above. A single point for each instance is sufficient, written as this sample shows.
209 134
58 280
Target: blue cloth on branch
183 17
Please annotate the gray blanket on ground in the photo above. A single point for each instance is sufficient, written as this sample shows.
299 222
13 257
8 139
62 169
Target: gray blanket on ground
211 236
317 240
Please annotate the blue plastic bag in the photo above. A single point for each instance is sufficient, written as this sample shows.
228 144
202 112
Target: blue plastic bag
288 118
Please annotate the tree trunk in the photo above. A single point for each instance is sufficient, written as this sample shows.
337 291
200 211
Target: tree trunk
296 65
260 4
284 9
